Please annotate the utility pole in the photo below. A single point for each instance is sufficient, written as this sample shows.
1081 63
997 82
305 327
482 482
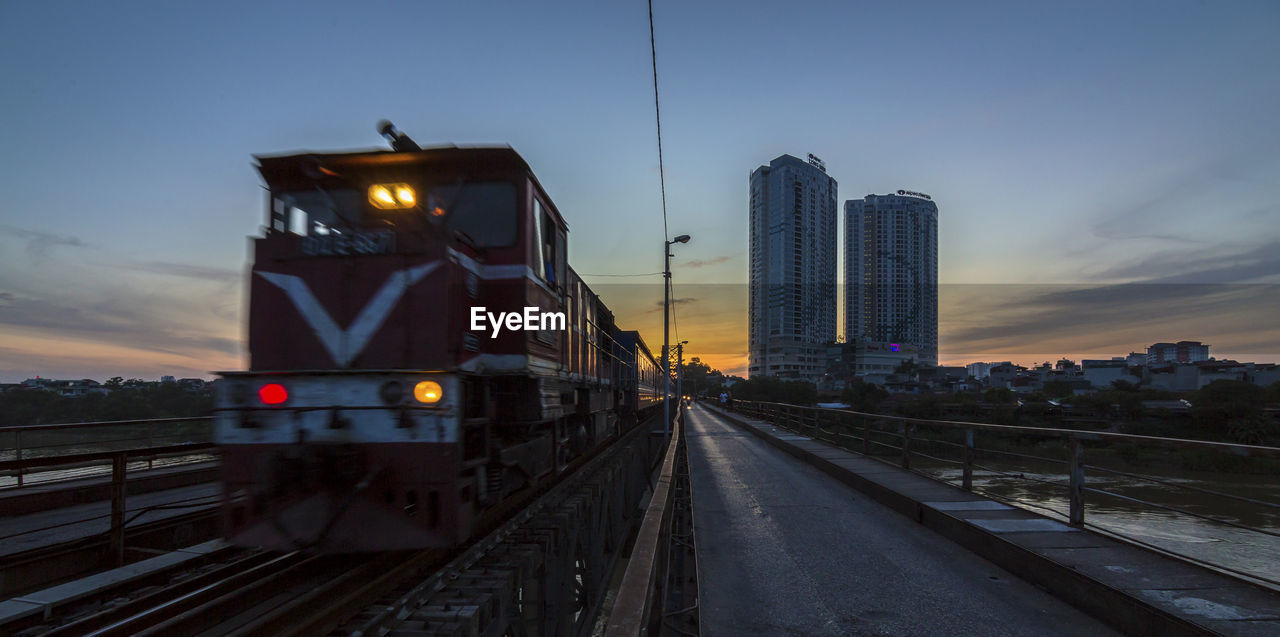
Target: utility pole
666 333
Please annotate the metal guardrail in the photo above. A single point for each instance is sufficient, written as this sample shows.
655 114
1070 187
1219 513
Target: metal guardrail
54 440
638 606
119 475
841 425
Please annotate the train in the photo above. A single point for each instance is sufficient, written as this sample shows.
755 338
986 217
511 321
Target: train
419 351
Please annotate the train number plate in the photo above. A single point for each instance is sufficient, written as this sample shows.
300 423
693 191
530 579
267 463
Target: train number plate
345 244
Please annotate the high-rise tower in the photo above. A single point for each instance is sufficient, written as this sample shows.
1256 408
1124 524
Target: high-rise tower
793 267
891 270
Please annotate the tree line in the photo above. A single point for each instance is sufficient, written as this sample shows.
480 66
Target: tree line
126 400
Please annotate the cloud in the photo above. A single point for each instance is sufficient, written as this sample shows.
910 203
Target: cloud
986 321
184 270
674 302
122 317
39 243
702 263
1187 194
1220 264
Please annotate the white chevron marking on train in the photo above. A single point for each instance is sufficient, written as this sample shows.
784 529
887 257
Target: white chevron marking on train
345 345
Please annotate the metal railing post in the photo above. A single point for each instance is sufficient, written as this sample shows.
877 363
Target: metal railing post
866 436
906 445
1077 482
119 463
968 460
150 443
18 443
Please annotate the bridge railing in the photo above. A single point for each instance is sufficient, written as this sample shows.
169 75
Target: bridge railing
84 439
901 439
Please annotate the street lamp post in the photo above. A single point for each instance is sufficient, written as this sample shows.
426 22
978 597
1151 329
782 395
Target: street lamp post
666 333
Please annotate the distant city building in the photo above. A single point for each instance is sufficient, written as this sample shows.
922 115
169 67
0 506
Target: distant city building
1180 352
1003 375
1101 374
872 357
979 370
891 271
793 268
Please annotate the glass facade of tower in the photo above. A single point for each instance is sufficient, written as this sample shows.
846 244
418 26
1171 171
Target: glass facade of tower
891 271
793 268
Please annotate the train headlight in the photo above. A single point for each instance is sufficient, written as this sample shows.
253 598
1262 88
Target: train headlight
392 196
273 394
428 391
238 394
392 392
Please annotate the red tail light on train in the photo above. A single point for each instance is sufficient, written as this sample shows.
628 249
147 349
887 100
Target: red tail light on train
273 394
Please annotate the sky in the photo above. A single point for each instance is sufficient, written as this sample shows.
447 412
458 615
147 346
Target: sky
1106 173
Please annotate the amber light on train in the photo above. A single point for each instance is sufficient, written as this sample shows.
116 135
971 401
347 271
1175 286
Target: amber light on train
273 394
428 391
392 196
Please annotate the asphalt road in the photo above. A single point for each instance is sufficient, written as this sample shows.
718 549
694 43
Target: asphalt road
784 549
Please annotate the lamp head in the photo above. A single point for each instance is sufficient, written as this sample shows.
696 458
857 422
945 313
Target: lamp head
684 238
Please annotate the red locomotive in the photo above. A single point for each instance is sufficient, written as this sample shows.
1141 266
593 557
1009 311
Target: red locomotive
419 350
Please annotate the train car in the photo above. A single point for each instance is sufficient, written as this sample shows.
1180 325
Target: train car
640 375
419 350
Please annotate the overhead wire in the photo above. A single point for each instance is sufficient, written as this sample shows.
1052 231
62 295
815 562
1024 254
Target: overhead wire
657 113
662 178
641 274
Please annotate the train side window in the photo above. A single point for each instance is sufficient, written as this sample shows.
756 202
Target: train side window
538 258
560 255
549 251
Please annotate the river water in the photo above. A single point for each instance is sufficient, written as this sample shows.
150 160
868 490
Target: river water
1249 551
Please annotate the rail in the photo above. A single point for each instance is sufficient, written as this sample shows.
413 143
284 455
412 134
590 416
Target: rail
858 431
67 439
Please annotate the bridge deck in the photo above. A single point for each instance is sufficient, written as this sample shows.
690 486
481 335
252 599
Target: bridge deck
783 549
1140 590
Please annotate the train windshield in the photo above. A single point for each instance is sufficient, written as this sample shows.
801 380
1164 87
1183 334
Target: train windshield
317 211
483 212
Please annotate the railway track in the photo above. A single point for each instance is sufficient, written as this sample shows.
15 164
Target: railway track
36 568
571 531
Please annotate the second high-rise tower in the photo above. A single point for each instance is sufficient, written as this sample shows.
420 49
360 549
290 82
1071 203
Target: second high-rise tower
891 270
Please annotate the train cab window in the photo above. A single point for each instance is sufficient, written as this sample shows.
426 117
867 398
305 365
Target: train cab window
309 212
484 212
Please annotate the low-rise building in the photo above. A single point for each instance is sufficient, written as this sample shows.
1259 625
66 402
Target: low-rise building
1102 373
1180 352
979 370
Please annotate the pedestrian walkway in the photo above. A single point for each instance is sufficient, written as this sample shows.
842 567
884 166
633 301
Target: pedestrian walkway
784 549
